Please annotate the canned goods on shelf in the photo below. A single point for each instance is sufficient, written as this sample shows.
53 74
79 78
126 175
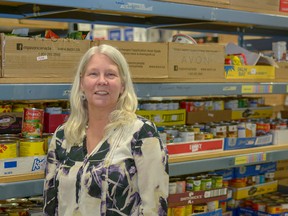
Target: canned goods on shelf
32 124
8 148
31 147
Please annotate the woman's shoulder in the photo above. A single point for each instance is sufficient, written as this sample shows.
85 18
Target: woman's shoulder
146 124
144 120
59 132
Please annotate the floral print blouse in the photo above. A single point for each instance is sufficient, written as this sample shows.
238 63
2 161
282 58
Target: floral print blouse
123 176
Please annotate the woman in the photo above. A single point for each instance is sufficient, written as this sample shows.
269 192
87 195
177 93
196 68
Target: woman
105 160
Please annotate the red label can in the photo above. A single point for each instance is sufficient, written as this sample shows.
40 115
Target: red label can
32 124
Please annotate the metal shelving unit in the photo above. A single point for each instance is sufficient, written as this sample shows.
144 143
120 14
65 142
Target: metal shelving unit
148 14
144 90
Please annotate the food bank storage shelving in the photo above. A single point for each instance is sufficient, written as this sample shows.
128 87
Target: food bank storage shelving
148 14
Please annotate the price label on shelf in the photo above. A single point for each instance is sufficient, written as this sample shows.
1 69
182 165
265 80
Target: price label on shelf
250 158
250 89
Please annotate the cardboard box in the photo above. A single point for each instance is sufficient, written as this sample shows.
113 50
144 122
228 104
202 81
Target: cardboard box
271 6
196 197
208 116
145 59
10 123
164 117
52 121
245 192
249 72
22 165
250 212
232 143
192 61
281 73
280 137
196 147
283 6
40 58
201 2
252 112
227 174
216 212
254 170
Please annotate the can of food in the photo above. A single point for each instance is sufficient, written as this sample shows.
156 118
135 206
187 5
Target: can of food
206 183
179 211
19 107
232 130
32 124
217 181
5 108
262 128
180 186
200 208
186 135
47 139
190 183
208 135
31 147
19 211
8 148
197 184
212 205
188 210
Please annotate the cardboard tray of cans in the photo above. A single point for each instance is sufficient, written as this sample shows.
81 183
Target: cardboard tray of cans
195 147
250 191
197 197
22 165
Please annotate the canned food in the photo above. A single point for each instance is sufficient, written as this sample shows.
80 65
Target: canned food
31 147
47 139
179 211
32 124
206 183
186 135
217 181
8 148
5 108
199 208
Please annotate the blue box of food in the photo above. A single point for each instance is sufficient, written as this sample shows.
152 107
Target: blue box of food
251 212
232 143
254 170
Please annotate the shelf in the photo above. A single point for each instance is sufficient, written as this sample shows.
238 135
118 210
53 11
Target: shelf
21 189
187 164
178 165
148 14
143 90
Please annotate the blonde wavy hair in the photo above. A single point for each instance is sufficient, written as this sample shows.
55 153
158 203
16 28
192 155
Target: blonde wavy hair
126 106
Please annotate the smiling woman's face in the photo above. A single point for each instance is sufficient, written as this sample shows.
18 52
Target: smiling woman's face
101 83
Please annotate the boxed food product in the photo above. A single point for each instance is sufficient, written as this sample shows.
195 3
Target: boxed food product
262 112
10 123
250 191
232 143
254 170
164 117
52 121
